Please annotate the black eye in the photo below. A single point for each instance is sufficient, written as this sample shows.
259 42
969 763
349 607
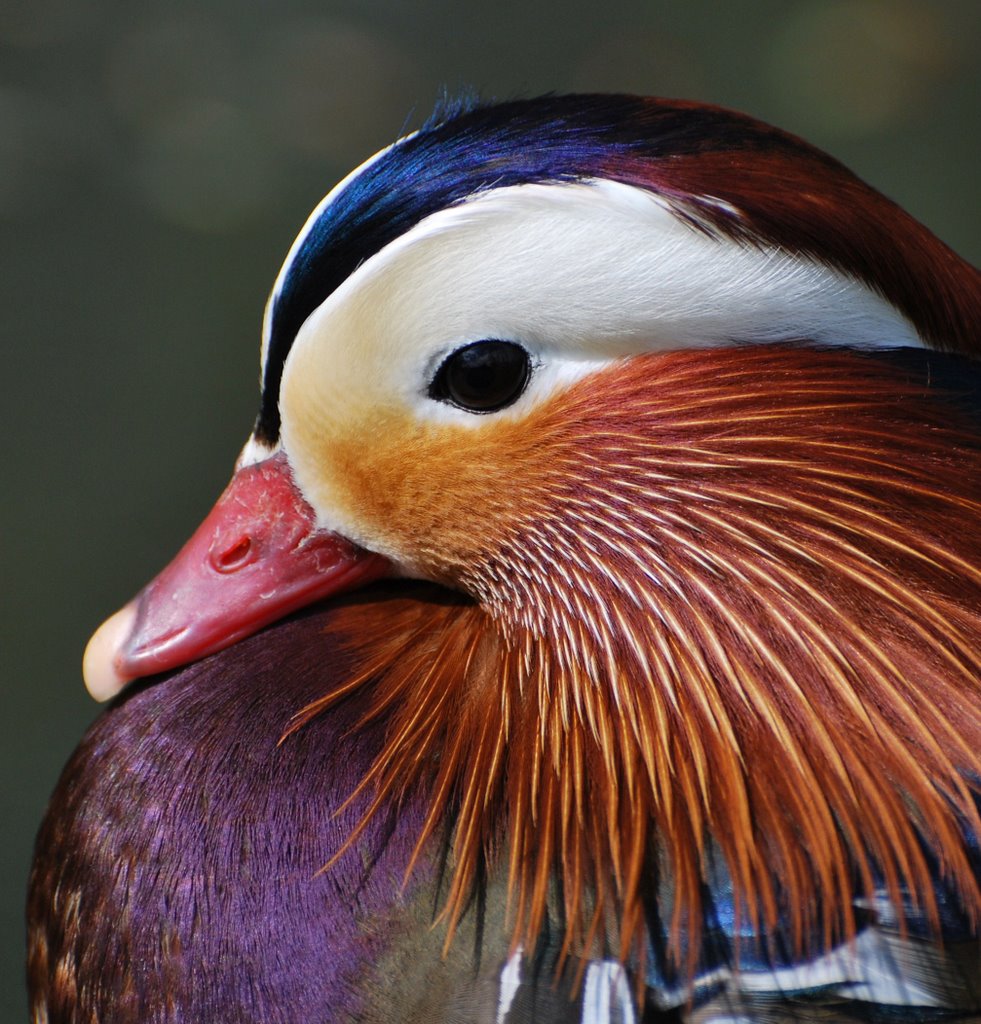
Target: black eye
482 377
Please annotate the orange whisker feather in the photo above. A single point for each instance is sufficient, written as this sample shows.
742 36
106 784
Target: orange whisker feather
706 635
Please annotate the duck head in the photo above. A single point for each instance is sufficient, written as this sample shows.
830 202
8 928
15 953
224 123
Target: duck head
672 397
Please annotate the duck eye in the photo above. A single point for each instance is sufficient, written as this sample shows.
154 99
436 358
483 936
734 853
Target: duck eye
482 377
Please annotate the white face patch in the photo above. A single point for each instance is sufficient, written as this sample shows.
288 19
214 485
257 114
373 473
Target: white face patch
580 275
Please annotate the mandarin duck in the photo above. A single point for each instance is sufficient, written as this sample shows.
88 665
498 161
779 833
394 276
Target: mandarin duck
636 444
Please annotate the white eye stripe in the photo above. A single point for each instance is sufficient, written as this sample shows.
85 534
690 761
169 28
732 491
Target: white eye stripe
580 275
595 271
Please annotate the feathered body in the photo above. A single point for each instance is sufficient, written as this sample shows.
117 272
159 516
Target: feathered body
709 704
179 875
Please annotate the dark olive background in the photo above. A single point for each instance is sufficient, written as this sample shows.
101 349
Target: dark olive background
156 160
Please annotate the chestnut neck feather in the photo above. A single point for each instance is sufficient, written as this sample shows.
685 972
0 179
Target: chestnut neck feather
741 605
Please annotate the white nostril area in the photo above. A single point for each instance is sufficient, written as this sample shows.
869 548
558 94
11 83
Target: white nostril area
102 678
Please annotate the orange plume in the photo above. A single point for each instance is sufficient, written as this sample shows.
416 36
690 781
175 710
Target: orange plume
734 603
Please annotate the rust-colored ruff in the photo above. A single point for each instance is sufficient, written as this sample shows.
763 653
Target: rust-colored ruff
731 594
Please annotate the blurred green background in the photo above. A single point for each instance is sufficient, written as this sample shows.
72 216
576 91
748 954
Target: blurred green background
156 160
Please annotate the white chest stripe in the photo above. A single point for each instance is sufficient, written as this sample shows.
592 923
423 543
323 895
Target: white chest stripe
606 995
510 982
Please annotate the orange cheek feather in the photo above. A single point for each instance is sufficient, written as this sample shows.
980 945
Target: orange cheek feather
443 497
726 597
